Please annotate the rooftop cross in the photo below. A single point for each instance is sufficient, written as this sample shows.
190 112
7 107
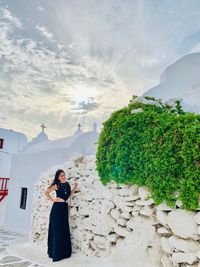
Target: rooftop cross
79 126
43 127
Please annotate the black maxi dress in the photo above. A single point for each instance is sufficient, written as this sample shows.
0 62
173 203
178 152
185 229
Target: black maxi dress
59 239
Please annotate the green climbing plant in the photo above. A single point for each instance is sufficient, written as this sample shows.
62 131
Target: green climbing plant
158 148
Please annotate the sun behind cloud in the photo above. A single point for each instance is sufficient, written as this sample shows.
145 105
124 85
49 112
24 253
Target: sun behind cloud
83 93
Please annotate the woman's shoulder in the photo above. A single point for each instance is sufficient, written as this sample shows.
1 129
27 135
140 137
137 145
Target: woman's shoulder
52 187
57 186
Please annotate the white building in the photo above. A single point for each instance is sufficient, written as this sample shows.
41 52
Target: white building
11 142
180 80
34 158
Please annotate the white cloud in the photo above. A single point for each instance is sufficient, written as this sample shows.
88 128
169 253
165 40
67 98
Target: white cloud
6 14
44 31
117 48
40 8
34 77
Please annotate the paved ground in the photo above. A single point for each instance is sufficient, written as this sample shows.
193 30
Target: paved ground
7 259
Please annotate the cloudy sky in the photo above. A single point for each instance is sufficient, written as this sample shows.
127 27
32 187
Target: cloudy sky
69 61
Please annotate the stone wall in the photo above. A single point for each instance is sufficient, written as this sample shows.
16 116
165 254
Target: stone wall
119 221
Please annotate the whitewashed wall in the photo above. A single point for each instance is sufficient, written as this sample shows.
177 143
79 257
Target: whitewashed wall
13 142
26 168
120 222
3 204
5 168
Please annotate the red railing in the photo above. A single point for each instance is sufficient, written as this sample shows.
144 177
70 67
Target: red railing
3 188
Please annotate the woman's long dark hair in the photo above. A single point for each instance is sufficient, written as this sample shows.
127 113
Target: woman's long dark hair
56 180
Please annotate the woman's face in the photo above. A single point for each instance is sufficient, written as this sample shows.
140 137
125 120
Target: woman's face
62 177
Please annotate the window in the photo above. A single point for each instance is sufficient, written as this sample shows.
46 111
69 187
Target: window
1 143
23 198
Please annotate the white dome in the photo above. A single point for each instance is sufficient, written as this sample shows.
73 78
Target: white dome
41 137
189 65
180 80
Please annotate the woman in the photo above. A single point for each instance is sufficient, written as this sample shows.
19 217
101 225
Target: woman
59 240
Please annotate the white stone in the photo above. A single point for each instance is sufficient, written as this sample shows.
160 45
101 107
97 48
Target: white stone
102 194
121 231
118 201
146 211
124 192
84 211
181 257
94 245
106 206
136 110
154 251
135 197
179 203
132 250
99 224
126 215
161 217
198 254
121 221
131 223
112 237
184 245
133 189
197 218
175 220
198 230
134 222
166 261
127 209
166 245
130 197
143 100
135 213
143 193
144 202
164 207
129 204
99 239
136 208
115 214
163 230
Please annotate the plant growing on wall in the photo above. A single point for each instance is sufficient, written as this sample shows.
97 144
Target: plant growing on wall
158 147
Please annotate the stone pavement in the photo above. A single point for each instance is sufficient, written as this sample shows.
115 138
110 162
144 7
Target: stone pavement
7 259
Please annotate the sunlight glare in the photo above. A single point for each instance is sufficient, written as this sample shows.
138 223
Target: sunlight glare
83 93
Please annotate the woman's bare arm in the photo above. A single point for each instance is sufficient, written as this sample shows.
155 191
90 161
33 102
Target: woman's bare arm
72 191
74 188
49 190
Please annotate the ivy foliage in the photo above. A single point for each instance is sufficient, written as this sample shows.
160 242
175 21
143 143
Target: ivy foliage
158 148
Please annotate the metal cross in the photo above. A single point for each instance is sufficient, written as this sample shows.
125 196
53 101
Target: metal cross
79 126
43 127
